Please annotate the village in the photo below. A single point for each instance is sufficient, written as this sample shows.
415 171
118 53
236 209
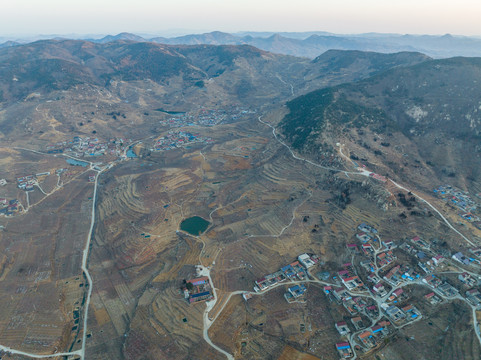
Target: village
87 146
207 117
460 200
375 288
176 139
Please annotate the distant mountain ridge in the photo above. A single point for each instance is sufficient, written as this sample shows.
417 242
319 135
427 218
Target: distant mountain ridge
312 44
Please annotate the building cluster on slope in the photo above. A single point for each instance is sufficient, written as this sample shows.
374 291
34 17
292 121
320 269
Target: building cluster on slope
383 303
461 200
87 146
293 272
207 117
9 207
28 182
387 272
177 139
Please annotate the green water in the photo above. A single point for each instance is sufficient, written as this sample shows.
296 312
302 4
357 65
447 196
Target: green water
194 225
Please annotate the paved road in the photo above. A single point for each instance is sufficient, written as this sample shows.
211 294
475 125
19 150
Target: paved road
81 352
85 265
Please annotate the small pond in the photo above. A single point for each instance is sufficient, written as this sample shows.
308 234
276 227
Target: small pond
194 225
131 154
77 162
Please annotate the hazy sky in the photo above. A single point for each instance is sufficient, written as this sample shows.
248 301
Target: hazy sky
156 16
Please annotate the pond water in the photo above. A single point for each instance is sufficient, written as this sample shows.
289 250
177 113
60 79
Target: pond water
77 162
194 225
131 154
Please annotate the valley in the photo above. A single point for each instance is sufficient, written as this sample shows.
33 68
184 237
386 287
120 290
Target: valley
96 263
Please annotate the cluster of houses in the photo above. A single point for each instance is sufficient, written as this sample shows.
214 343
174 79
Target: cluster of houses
177 139
86 146
441 287
459 199
367 337
198 290
9 207
353 304
27 182
372 336
349 278
207 117
296 270
403 315
386 276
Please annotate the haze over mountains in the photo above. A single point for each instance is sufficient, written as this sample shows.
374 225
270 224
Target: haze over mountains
312 44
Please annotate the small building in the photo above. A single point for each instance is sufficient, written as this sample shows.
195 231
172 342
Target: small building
367 228
357 322
202 296
447 290
344 350
247 296
372 311
342 328
363 237
389 244
199 281
341 294
352 282
393 277
467 279
367 339
474 297
411 312
438 259
398 292
461 258
432 298
306 261
352 248
432 281
395 314
324 275
379 289
377 330
295 292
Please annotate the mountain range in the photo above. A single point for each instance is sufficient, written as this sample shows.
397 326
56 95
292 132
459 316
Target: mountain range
312 44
